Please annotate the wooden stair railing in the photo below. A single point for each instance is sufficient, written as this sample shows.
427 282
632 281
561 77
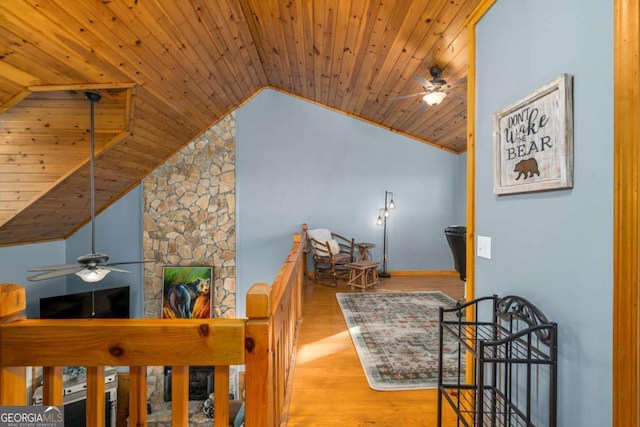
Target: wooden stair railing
97 343
274 314
265 343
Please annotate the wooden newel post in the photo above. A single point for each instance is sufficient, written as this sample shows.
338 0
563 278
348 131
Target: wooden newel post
305 228
13 380
300 239
259 398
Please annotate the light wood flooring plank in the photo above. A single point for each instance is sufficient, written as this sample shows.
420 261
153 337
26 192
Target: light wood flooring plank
329 386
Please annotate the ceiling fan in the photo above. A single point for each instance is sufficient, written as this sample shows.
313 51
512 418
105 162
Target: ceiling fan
94 266
435 90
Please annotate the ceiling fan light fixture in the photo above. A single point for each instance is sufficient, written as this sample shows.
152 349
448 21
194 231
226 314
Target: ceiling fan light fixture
92 275
434 98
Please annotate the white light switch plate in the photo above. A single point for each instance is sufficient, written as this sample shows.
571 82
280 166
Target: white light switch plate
484 247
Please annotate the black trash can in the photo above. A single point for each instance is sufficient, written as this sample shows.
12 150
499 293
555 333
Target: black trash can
457 239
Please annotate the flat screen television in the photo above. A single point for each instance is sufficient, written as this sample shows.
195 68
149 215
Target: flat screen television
107 303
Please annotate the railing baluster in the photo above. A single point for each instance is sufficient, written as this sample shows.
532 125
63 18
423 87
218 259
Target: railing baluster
220 394
52 385
13 386
95 396
137 396
179 396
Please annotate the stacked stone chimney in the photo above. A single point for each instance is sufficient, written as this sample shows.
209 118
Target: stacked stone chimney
190 220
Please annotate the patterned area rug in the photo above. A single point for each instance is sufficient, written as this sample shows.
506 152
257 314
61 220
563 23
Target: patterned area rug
396 337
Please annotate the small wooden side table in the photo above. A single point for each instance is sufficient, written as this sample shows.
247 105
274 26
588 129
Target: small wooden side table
363 274
363 249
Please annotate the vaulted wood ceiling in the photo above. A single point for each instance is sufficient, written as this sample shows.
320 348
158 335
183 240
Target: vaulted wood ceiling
169 69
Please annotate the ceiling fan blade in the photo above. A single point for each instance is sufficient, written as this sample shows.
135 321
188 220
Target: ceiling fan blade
129 262
117 270
459 95
424 82
413 95
458 82
54 267
55 273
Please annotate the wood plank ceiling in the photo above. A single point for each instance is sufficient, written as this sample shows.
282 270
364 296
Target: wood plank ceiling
169 69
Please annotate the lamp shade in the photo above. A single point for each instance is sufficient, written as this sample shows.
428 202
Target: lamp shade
434 98
94 275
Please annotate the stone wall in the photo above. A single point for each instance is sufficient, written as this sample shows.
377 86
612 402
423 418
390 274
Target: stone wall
190 220
189 216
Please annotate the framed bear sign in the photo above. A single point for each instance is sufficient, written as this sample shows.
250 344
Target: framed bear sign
533 140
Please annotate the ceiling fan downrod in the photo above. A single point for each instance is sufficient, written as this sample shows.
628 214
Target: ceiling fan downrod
94 266
93 97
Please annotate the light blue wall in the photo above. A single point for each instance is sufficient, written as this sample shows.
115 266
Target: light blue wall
118 234
554 248
300 163
16 260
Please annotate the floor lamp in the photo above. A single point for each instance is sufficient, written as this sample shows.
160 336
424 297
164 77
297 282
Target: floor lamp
383 214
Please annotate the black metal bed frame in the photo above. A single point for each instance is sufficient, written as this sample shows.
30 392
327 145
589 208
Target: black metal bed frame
512 358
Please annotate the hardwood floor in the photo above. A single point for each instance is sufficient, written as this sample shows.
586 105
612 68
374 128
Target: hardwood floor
329 387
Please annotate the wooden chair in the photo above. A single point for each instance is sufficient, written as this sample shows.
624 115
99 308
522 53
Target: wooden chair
331 253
